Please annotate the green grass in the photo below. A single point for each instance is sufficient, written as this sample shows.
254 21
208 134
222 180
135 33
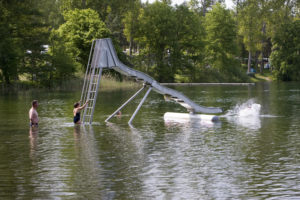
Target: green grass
109 83
266 76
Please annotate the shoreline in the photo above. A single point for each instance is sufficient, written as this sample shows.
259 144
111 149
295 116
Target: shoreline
192 84
107 83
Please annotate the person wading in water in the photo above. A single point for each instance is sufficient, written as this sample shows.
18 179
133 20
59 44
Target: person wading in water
76 112
33 115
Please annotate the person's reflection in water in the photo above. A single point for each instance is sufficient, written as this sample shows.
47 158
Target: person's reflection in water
77 132
33 136
88 173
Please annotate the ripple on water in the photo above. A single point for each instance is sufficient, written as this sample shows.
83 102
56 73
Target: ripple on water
254 158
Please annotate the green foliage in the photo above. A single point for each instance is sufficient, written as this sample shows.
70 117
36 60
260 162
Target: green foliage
131 25
188 45
8 61
202 6
78 32
195 41
285 57
172 40
156 34
221 43
250 25
62 62
221 35
24 30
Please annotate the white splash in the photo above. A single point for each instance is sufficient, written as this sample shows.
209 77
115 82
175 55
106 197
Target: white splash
246 115
250 110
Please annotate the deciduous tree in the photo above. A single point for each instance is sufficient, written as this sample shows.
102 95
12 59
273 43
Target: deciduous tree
250 27
285 57
81 27
221 41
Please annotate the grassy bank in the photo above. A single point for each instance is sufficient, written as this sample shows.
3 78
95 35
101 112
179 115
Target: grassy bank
266 76
107 83
75 84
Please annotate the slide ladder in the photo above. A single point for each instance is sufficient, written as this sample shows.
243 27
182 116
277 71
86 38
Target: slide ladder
91 85
103 55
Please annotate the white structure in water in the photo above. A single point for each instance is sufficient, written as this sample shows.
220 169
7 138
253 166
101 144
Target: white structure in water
103 55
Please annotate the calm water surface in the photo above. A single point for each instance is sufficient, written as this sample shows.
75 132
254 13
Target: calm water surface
256 157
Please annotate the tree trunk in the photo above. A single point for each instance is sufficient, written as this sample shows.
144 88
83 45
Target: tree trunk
262 49
83 3
237 7
249 61
261 69
204 8
130 46
6 77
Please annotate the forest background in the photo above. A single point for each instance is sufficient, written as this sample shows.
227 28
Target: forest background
48 41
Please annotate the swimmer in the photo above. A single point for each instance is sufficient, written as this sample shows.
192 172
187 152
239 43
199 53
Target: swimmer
119 114
33 115
76 112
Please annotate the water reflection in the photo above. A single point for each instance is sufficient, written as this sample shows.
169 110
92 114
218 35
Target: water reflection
88 167
33 136
188 161
251 123
126 159
156 159
192 123
131 136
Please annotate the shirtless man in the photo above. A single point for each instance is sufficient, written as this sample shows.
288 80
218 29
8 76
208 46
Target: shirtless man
33 115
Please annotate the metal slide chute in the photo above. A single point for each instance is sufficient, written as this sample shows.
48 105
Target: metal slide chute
103 55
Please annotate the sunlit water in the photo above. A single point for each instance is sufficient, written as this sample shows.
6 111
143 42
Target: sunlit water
251 153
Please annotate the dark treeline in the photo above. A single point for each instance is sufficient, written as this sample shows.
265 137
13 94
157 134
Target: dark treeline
46 41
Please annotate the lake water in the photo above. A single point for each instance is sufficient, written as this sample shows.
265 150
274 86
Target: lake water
244 156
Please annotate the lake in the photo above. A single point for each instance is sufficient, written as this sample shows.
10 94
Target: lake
254 156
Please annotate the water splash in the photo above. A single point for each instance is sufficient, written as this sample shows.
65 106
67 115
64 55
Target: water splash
246 115
247 109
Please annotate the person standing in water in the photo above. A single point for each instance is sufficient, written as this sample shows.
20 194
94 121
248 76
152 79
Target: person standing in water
76 112
33 115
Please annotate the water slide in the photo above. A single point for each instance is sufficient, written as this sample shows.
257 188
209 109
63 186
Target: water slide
103 55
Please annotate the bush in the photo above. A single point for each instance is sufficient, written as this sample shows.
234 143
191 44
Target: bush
285 57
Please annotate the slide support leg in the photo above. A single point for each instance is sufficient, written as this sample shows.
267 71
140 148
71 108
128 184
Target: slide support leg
120 108
139 106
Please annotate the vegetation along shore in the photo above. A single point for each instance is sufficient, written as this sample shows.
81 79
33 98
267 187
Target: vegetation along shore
46 42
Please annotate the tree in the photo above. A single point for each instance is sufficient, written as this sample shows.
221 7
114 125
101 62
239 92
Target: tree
24 30
202 6
9 51
62 64
187 48
264 15
78 32
131 25
250 27
156 34
34 33
285 57
221 39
